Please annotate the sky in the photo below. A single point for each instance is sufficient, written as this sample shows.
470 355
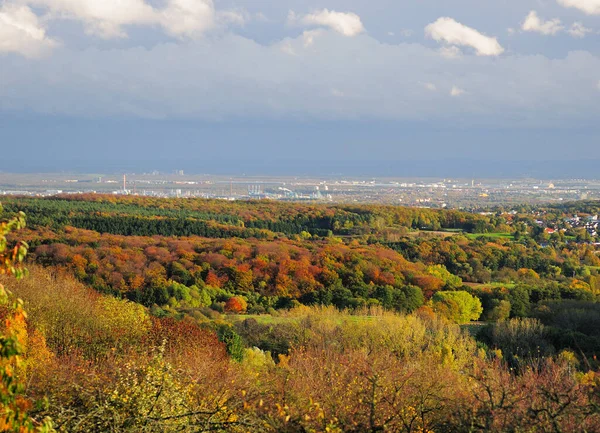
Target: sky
321 86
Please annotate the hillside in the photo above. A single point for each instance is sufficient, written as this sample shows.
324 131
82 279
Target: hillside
292 317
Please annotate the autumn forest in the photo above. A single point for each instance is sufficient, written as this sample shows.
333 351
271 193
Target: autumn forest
139 314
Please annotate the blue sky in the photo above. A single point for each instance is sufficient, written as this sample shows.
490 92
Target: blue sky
267 79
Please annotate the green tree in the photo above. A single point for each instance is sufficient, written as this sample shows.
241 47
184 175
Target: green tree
519 301
233 342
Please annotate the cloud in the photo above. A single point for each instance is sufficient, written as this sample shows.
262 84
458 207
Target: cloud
245 79
188 18
456 91
310 36
107 18
430 86
450 52
236 17
578 30
101 18
287 48
22 33
451 32
590 7
533 23
346 23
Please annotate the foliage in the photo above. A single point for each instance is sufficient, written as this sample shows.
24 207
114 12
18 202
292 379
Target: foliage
236 304
14 405
349 328
458 306
232 341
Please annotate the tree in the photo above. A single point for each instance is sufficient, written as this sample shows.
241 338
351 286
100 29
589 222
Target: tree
499 312
439 271
519 301
413 298
459 306
236 304
14 406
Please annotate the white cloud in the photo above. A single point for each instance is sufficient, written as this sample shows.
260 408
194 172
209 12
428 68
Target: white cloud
107 18
430 86
590 7
22 33
456 91
346 23
454 33
103 18
578 30
187 18
533 23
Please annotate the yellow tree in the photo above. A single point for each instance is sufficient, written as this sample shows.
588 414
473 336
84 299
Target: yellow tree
13 337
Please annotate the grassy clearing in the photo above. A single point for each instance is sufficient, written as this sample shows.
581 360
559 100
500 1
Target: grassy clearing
457 232
490 235
434 233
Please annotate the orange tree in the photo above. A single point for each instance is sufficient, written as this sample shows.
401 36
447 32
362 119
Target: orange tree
13 336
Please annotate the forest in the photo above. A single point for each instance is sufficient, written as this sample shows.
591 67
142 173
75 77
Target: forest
130 314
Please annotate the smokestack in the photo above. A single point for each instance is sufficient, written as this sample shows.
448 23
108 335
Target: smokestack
124 182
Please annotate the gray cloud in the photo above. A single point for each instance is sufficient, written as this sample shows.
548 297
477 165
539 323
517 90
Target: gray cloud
234 77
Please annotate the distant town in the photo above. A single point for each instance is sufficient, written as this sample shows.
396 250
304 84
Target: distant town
421 192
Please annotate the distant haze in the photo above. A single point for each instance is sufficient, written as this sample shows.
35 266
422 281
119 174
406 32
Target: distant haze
293 148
